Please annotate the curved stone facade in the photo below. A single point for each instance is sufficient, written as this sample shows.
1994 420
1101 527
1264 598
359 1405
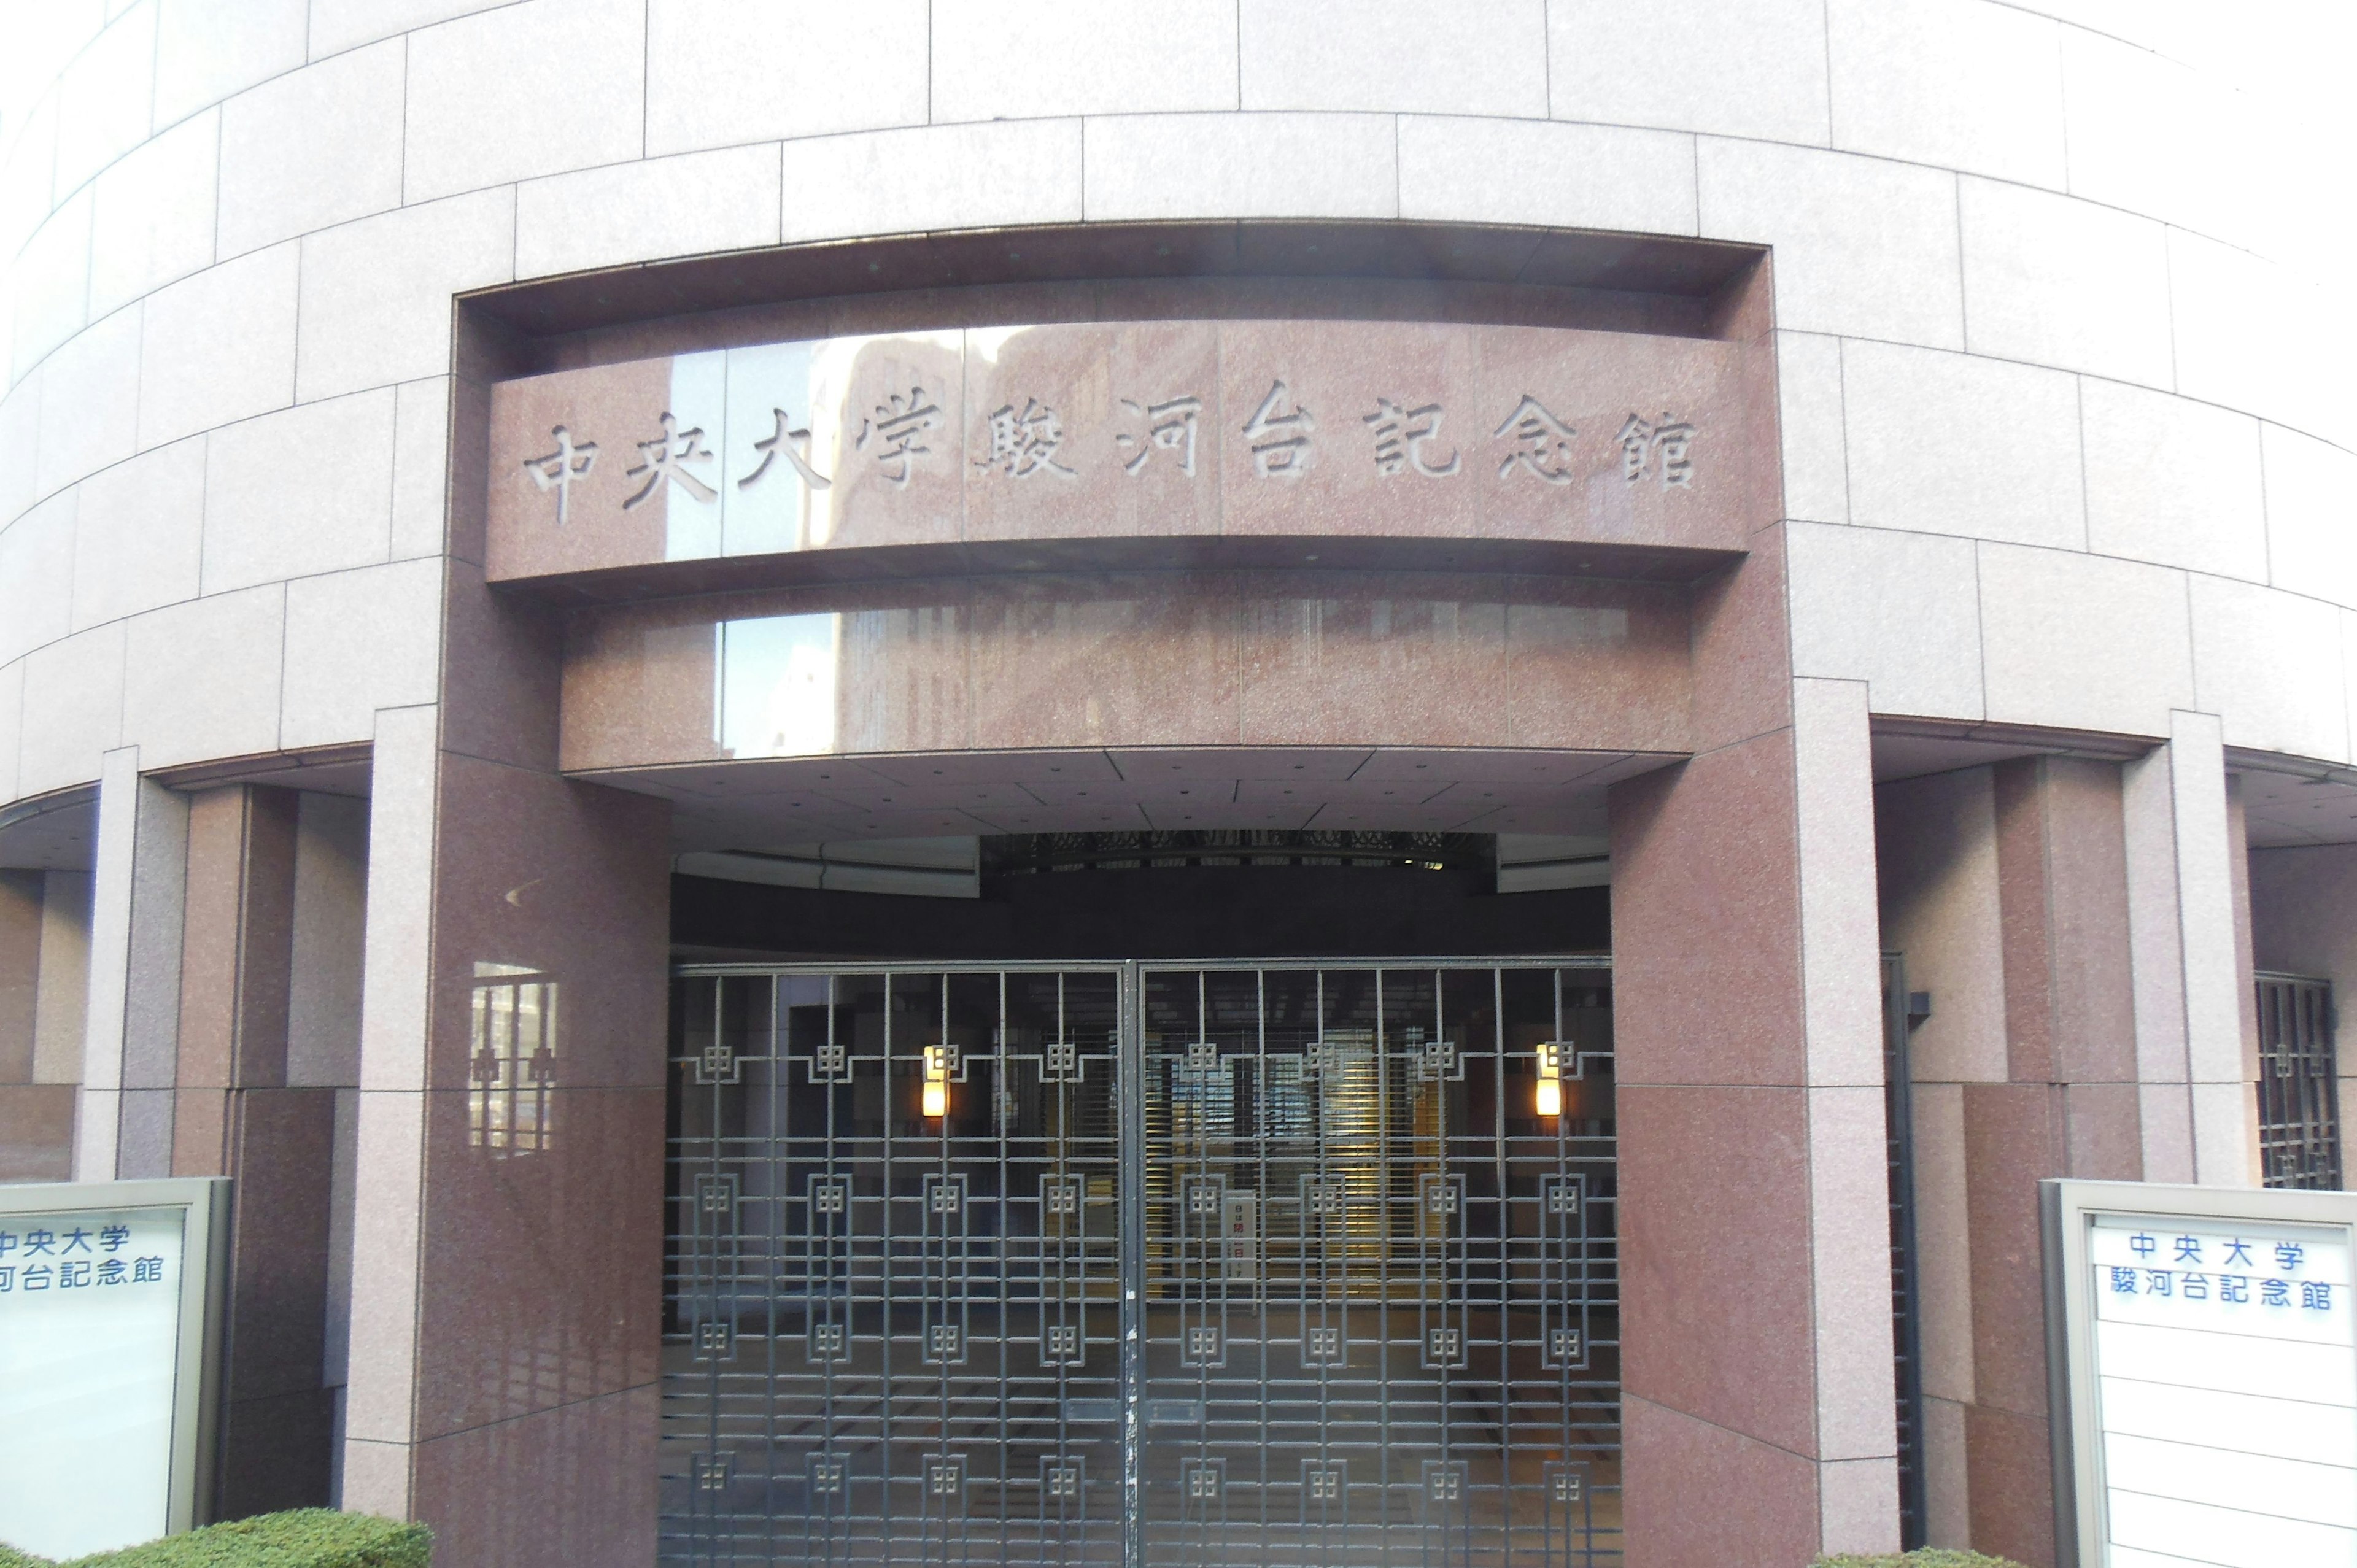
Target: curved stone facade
2047 389
1879 476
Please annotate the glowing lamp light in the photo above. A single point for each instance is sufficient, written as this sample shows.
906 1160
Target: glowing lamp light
937 1082
1548 1100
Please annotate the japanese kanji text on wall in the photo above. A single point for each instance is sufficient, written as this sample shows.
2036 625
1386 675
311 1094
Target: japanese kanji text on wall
2218 1353
100 1403
1130 429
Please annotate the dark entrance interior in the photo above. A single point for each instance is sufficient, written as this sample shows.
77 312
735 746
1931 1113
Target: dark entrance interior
1154 895
1181 1198
1266 1263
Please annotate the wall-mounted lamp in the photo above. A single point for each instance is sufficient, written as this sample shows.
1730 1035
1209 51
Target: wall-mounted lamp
1548 1100
937 1082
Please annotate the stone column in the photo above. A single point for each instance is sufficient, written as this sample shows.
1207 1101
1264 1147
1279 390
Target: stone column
44 971
1759 1395
509 1218
1936 859
61 998
2068 1107
235 1113
2197 1029
2045 905
26 1120
1849 1191
389 1166
323 1042
185 1072
138 884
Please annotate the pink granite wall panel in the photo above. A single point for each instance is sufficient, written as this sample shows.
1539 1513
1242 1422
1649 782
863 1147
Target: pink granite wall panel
1705 920
572 1485
1130 429
1714 1245
1708 1496
2068 1104
1163 659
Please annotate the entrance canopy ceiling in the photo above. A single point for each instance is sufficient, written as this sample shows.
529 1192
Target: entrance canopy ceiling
1192 527
749 805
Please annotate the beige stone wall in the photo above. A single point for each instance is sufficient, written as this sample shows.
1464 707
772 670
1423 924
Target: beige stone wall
2063 444
2062 438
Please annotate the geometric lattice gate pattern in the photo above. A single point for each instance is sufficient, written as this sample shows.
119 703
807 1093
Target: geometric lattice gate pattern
1380 1319
2300 1090
894 1336
1140 1263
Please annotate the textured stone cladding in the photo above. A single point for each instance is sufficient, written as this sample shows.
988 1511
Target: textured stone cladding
1024 661
1129 430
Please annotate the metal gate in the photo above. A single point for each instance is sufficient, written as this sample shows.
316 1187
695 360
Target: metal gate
1301 1262
2299 1090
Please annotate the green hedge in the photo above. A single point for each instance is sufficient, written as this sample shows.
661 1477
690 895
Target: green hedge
1925 1557
306 1538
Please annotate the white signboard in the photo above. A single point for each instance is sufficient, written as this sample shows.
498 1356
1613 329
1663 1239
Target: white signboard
2208 1375
105 1360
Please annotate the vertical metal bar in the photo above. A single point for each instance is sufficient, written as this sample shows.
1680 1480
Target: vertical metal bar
1262 1255
711 1303
2299 1087
2328 1070
951 1313
1898 1108
1129 1075
780 1204
1207 1252
843 1258
1502 1182
1002 1272
1558 1267
884 1275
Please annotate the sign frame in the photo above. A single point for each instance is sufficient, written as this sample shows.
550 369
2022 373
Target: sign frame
204 1270
2065 1208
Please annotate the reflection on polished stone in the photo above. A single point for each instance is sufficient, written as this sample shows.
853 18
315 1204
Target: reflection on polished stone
1129 430
511 1064
1143 658
779 685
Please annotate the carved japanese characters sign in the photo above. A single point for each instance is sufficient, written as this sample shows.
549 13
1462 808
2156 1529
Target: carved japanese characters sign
1124 429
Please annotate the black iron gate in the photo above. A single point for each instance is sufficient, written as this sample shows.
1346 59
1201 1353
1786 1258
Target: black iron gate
1141 1263
2299 1089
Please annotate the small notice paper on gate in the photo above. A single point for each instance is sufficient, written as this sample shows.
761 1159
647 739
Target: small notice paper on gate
2210 1373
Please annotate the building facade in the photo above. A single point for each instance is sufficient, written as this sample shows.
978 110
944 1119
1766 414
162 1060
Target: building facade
907 779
